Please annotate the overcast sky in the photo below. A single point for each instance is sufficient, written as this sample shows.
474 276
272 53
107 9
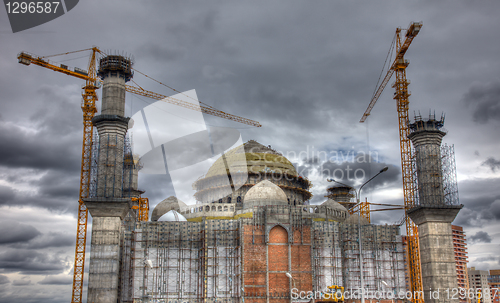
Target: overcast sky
304 69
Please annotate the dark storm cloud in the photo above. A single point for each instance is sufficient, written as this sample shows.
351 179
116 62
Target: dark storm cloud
481 200
167 53
57 185
51 203
477 216
158 188
481 236
485 100
17 232
6 194
57 280
492 163
4 280
22 282
271 73
38 150
31 262
49 188
48 240
359 170
304 70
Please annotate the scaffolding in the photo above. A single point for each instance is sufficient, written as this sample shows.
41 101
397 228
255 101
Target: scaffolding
94 157
186 261
107 159
449 168
342 194
126 258
427 162
445 177
383 257
327 255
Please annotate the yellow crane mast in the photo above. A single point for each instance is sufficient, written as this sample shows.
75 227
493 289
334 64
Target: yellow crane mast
88 105
401 96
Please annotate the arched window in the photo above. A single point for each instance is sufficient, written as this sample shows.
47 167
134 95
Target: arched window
225 208
219 208
214 208
220 200
238 200
207 208
229 200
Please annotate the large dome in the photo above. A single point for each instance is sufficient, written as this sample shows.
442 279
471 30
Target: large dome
258 158
233 174
265 193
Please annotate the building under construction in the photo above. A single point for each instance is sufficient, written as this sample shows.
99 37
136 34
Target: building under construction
254 239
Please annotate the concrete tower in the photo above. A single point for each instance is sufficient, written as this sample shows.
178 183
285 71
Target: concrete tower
109 207
431 214
342 194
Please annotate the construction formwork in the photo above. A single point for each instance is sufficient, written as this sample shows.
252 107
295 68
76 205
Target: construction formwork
327 255
220 260
382 254
186 261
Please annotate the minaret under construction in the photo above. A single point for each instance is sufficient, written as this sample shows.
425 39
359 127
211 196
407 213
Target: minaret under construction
109 206
432 214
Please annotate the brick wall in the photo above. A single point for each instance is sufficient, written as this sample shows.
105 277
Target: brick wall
279 251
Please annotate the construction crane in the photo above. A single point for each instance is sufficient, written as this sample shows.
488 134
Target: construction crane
88 105
401 95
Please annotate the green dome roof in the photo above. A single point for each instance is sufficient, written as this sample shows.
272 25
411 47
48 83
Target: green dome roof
257 158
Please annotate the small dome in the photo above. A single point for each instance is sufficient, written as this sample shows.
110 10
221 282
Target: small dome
172 216
170 203
330 203
265 193
353 219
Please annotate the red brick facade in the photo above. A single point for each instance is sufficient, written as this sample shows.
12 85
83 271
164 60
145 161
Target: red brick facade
282 257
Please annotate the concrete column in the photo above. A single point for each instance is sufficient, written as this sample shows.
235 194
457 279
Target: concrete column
104 255
115 71
432 216
436 251
112 125
109 207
